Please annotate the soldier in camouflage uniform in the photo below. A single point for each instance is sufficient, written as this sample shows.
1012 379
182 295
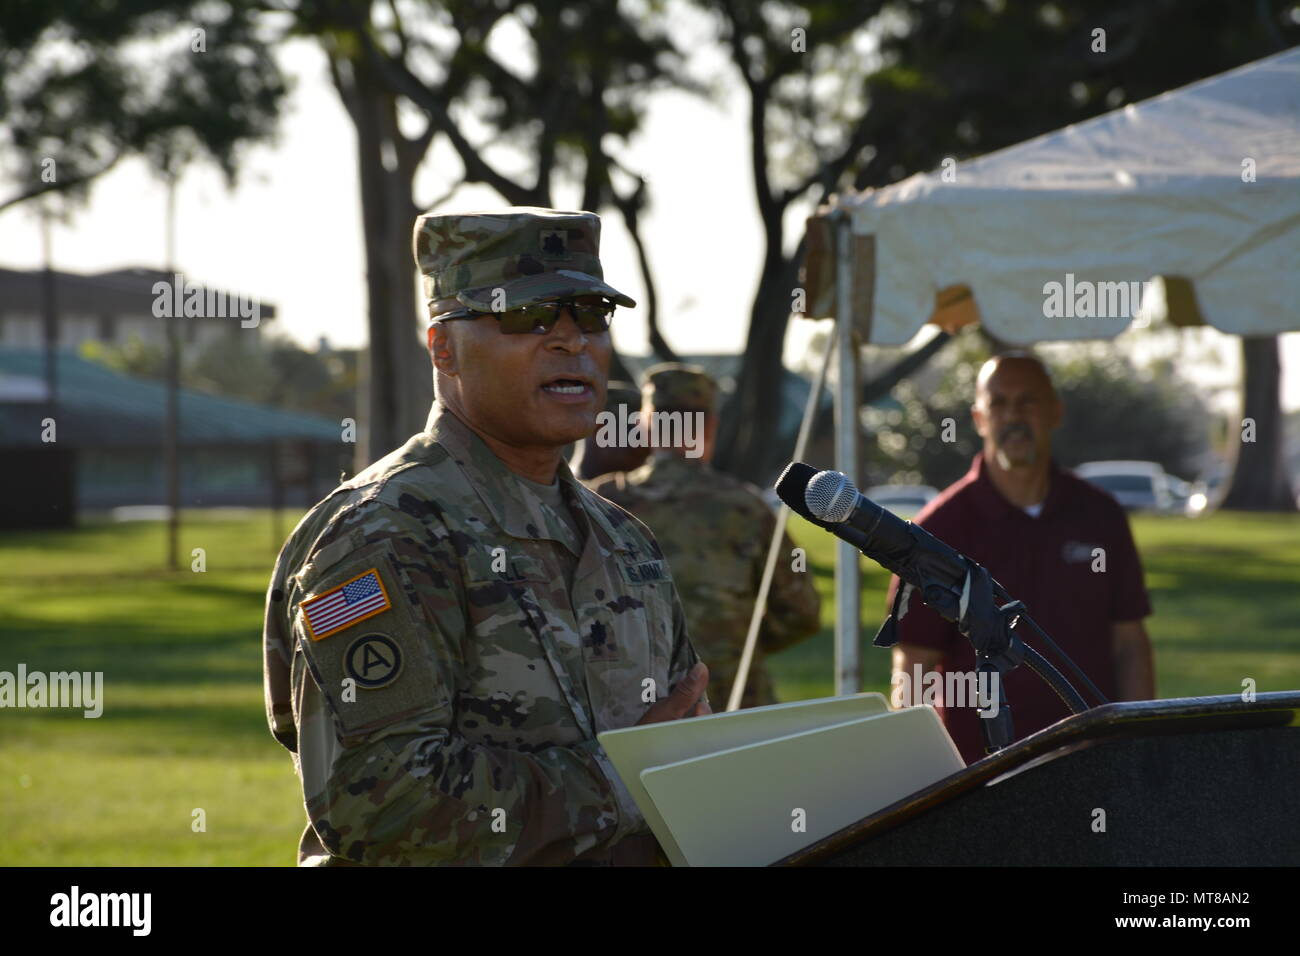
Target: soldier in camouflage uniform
715 532
447 632
592 460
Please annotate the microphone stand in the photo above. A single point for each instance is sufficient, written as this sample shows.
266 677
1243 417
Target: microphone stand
991 629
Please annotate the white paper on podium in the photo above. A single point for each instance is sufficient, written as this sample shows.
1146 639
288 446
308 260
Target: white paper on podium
634 749
736 807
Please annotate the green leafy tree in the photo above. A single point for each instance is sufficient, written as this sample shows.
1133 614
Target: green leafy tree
553 113
84 85
134 358
276 372
866 94
1113 410
279 373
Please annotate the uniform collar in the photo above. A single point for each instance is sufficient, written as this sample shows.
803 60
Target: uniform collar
992 502
513 506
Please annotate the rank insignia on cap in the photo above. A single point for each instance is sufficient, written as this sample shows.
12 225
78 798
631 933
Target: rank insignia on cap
555 243
340 607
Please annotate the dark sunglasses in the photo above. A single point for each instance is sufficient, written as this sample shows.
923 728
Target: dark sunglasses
540 317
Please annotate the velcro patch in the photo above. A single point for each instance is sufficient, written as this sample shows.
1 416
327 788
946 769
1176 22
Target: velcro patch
645 571
340 607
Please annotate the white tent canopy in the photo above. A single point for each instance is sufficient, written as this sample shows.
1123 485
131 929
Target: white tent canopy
1201 184
1198 188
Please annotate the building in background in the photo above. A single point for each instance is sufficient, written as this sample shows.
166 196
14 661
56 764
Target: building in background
112 308
108 445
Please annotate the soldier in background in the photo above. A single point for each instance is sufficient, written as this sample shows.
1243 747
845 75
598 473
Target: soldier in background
593 460
715 531
448 631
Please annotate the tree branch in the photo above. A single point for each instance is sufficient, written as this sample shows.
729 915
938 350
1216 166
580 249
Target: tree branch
883 384
401 80
347 89
398 30
444 197
769 207
412 149
63 186
828 173
629 207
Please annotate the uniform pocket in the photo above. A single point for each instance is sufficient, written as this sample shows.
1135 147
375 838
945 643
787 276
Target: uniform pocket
648 593
518 655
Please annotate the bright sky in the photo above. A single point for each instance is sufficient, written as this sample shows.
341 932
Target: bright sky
290 233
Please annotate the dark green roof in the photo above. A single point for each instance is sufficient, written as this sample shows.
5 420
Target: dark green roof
98 408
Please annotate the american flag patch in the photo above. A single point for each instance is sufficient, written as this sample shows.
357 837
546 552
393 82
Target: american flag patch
354 600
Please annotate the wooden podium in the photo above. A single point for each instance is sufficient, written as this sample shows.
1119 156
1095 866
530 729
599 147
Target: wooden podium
1194 781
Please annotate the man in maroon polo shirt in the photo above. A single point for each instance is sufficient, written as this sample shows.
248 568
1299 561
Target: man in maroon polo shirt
1054 541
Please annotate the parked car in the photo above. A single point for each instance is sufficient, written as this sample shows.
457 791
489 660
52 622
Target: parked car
1190 497
1145 486
903 500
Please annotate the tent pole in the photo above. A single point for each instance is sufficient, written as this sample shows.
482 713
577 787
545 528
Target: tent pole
778 538
848 574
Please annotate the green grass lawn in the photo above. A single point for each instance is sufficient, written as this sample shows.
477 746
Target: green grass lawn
183 725
1225 590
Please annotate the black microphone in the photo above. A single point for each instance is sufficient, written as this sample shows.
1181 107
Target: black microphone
790 488
829 500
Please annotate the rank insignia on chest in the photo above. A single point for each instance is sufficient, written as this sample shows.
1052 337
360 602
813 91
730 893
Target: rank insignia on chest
340 607
645 571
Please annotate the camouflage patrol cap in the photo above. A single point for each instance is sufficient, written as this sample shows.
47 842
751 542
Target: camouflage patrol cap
679 386
529 253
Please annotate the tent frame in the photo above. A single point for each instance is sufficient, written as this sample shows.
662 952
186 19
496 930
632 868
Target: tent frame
848 568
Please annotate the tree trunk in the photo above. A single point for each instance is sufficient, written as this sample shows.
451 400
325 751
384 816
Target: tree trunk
745 441
397 377
1259 478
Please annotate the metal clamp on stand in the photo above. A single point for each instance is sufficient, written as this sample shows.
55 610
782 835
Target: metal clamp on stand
998 651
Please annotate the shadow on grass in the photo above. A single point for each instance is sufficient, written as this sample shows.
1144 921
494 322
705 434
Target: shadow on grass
136 655
188 729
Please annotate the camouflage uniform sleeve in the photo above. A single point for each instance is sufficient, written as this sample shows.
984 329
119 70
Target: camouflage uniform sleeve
793 605
386 776
684 655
